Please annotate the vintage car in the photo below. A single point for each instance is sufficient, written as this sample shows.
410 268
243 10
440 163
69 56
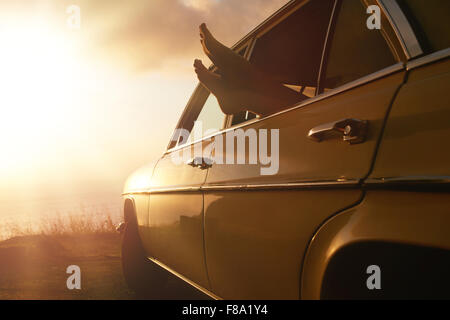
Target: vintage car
358 206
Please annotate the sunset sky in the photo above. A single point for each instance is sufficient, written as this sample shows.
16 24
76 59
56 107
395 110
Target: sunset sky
81 109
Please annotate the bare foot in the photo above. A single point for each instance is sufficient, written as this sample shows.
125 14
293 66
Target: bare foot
205 39
231 64
209 79
233 99
241 85
217 86
238 70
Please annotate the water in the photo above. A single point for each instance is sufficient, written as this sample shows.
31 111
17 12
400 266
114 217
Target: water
36 215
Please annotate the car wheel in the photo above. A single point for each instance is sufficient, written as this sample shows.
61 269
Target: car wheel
142 276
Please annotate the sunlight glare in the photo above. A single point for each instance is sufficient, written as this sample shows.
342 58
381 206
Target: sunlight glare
39 73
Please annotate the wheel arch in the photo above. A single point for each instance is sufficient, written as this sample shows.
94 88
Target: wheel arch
129 209
400 231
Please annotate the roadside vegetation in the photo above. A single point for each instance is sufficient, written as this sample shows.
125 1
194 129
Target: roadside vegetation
82 222
34 258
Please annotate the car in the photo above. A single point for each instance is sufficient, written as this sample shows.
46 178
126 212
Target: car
357 205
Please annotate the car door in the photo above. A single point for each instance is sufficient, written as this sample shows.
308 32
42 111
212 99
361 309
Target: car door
175 220
258 225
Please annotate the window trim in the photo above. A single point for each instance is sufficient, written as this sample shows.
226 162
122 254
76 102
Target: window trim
430 58
405 33
326 46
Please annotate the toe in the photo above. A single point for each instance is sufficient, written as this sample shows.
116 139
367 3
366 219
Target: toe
204 31
197 63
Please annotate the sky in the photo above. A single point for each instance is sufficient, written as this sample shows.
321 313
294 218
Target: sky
84 102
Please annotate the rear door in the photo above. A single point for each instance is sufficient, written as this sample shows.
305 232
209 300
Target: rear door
258 225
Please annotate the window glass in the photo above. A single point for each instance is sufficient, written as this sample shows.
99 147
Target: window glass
429 20
242 116
291 52
355 50
211 119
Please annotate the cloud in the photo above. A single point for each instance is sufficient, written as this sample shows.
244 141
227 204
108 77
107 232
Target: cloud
153 34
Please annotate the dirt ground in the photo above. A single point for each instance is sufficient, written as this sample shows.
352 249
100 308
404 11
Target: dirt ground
34 267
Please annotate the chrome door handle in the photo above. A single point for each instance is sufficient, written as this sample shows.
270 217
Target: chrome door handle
200 162
352 131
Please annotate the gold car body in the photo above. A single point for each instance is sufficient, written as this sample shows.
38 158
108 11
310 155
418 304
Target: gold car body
236 234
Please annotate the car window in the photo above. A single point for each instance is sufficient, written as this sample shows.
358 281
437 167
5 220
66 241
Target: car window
429 19
242 116
355 50
291 52
210 119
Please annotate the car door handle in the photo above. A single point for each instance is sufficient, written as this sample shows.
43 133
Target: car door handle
352 131
200 162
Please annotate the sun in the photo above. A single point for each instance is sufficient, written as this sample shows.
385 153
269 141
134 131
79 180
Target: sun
39 74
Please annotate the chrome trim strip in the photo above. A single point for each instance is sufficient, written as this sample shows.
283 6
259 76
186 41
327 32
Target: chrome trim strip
136 192
283 186
192 283
406 180
174 189
409 180
325 46
439 55
264 186
351 85
402 28
251 46
163 190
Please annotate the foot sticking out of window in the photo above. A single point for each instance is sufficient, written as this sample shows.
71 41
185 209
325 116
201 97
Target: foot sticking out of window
237 84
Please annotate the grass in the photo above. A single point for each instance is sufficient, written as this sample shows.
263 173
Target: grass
83 222
34 267
34 260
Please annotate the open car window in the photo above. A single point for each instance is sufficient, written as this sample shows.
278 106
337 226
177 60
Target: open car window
211 119
291 52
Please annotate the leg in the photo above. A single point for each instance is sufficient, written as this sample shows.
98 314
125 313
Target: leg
231 64
217 86
233 99
236 68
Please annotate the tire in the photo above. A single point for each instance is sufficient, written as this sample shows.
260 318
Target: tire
141 275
